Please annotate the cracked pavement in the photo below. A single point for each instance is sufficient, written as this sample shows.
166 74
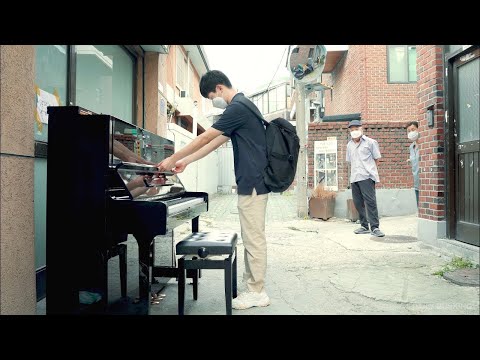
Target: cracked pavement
318 267
321 267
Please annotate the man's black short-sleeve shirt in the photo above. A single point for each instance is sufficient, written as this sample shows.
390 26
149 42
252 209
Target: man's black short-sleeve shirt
249 146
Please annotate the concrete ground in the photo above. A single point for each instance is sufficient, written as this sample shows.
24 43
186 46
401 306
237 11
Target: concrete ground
320 267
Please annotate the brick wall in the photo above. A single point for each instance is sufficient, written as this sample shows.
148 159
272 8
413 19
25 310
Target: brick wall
430 82
393 169
360 84
384 101
347 79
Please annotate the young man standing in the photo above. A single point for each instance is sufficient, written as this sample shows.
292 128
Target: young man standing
363 154
247 133
412 133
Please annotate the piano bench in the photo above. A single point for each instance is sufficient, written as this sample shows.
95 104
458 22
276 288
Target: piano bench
203 250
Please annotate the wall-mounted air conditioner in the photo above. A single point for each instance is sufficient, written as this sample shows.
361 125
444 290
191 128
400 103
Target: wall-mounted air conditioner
183 93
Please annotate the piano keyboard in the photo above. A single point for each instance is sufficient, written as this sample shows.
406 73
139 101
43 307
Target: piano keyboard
175 206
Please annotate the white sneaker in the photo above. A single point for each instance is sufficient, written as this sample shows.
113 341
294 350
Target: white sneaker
250 299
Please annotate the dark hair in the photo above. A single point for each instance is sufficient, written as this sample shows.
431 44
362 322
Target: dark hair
412 123
211 79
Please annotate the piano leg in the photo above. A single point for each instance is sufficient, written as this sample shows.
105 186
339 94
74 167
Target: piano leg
152 260
181 286
144 274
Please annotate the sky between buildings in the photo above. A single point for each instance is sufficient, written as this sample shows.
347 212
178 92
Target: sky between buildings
249 66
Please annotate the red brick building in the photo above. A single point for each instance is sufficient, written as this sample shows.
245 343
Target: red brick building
389 85
361 84
365 80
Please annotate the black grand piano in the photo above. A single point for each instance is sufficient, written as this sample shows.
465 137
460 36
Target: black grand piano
96 196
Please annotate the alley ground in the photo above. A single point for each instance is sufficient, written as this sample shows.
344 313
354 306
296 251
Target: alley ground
321 267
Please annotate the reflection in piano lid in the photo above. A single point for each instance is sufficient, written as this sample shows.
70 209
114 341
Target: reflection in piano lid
145 182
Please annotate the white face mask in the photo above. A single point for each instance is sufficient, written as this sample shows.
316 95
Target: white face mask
356 134
218 102
413 135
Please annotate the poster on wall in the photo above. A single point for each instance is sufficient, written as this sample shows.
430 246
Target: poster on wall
325 163
43 99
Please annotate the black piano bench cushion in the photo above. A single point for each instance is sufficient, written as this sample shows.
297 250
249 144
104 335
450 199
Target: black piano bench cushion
209 243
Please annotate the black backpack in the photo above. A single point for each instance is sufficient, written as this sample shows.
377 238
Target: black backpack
283 146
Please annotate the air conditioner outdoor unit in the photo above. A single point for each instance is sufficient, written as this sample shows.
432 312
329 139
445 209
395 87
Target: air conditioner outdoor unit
183 93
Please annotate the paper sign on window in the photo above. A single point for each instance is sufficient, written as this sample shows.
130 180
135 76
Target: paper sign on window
325 164
43 100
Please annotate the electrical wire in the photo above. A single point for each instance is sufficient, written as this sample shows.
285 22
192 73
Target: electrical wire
278 67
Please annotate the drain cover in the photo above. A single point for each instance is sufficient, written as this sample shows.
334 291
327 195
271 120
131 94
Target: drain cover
395 239
464 277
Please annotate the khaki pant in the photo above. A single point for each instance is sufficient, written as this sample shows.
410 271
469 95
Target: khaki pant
251 210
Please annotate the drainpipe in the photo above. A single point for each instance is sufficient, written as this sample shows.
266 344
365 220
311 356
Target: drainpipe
188 72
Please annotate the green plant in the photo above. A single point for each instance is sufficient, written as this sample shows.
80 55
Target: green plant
454 264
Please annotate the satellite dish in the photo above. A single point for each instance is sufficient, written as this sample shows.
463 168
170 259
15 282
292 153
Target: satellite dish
306 62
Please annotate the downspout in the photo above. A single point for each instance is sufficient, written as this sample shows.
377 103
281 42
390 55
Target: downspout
143 91
194 123
188 72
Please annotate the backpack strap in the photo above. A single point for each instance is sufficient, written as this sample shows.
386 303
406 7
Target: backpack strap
248 104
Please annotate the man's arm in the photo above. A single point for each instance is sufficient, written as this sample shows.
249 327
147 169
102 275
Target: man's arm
180 165
376 152
207 149
196 144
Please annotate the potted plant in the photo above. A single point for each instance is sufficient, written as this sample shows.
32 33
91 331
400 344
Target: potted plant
322 203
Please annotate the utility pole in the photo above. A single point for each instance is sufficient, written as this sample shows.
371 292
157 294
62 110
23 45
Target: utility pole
306 63
302 209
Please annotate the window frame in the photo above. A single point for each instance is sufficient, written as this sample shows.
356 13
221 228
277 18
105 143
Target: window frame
72 76
406 65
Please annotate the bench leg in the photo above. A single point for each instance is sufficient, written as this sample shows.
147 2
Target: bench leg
181 286
234 275
195 285
123 269
228 285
